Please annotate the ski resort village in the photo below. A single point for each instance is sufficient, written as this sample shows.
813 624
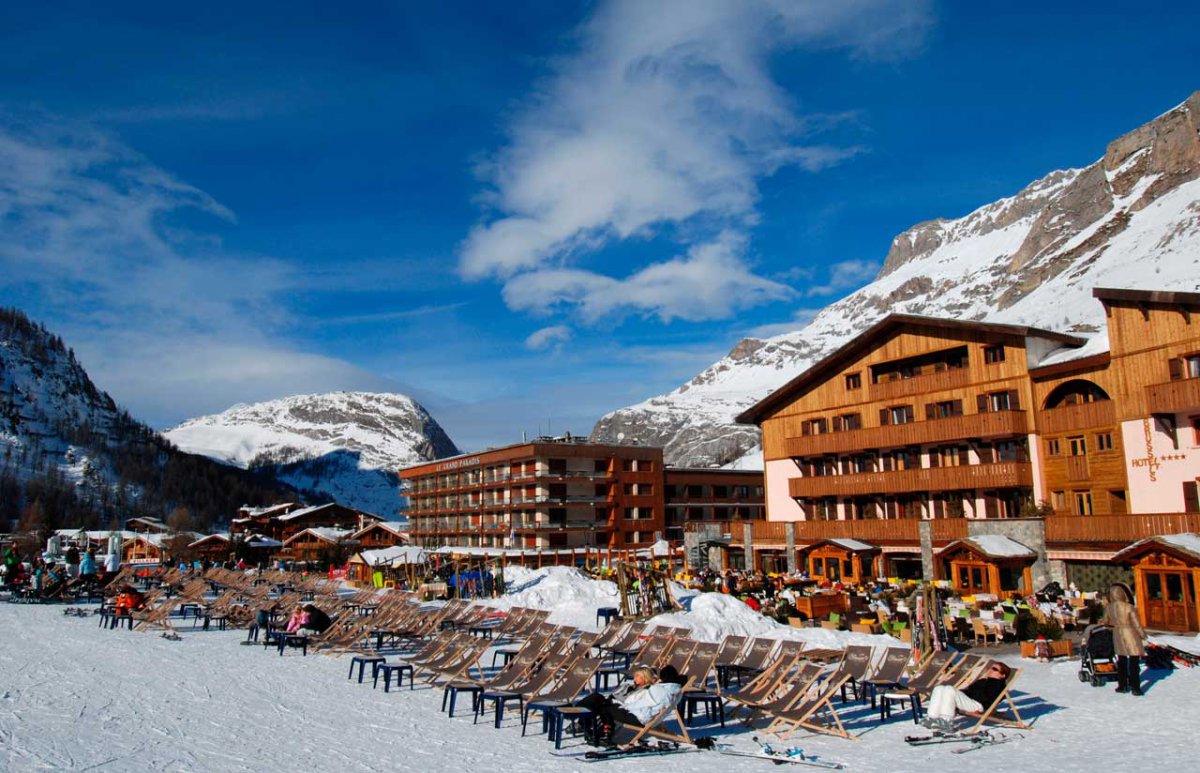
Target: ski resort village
556 387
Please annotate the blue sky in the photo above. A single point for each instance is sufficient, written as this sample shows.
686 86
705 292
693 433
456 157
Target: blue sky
524 214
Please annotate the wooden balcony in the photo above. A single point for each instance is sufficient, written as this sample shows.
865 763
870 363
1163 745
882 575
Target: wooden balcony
1174 396
1117 529
903 531
933 382
974 476
1067 418
975 425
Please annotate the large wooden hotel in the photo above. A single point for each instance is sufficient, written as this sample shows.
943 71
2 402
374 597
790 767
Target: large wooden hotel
996 456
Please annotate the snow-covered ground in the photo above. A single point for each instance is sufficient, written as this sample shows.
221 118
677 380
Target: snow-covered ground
75 697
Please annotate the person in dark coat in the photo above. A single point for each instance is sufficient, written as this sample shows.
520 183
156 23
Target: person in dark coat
318 621
946 700
1128 637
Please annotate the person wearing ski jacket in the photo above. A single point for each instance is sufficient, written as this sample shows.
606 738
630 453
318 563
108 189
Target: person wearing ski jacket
298 620
635 702
317 621
1128 637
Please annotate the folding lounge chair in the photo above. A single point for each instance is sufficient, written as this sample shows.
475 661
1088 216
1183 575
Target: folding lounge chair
806 713
567 689
990 713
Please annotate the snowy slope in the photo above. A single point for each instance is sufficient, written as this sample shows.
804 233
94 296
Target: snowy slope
188 705
345 445
1132 219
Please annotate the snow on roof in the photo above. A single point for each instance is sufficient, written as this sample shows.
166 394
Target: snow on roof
222 535
1097 344
1185 542
302 512
326 533
399 528
399 554
853 545
999 546
262 541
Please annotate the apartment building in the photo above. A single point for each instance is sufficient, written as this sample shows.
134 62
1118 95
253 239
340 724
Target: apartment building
552 493
698 495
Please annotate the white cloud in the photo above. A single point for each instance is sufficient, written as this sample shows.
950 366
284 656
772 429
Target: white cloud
666 115
548 338
710 282
846 275
94 243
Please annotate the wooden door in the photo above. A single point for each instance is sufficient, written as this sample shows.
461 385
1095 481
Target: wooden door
1170 600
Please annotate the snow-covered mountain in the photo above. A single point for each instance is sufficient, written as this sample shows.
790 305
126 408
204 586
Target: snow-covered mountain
345 445
70 456
1131 219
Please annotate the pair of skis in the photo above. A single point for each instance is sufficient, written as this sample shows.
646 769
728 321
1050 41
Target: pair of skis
779 755
973 741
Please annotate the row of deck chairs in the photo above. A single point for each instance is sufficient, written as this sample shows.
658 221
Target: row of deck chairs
787 685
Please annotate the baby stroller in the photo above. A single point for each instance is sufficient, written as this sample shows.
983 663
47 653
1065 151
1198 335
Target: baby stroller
1098 661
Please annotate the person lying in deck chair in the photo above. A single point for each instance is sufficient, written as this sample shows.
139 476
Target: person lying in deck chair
633 703
946 700
315 622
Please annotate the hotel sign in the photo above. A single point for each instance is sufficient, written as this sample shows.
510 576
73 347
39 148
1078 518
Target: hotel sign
455 464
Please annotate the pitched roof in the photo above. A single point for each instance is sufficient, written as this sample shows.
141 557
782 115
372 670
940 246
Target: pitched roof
994 546
866 340
1185 544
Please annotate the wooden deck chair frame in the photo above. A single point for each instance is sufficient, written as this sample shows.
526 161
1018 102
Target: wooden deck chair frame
788 693
654 725
804 712
990 713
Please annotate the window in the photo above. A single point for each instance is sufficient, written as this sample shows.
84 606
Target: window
1083 502
814 427
1104 441
1058 499
992 354
1195 422
861 464
1192 365
1009 451
897 414
1191 497
1077 446
826 509
998 401
944 409
853 381
847 422
1116 502
1052 447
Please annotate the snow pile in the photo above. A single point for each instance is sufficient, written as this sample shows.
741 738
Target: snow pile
571 596
713 616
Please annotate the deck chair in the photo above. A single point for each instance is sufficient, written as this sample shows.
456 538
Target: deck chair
755 657
888 672
814 712
855 664
458 662
547 673
655 725
990 713
764 686
563 692
727 655
612 633
789 691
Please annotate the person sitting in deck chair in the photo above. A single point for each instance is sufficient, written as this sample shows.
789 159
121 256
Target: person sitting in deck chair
128 600
298 620
635 702
315 621
947 700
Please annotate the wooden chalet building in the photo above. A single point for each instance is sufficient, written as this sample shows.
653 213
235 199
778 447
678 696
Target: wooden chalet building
382 534
923 434
285 521
319 543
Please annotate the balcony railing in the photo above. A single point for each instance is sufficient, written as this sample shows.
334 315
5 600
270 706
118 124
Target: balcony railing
1174 396
903 531
974 476
1117 528
976 425
1067 418
932 382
